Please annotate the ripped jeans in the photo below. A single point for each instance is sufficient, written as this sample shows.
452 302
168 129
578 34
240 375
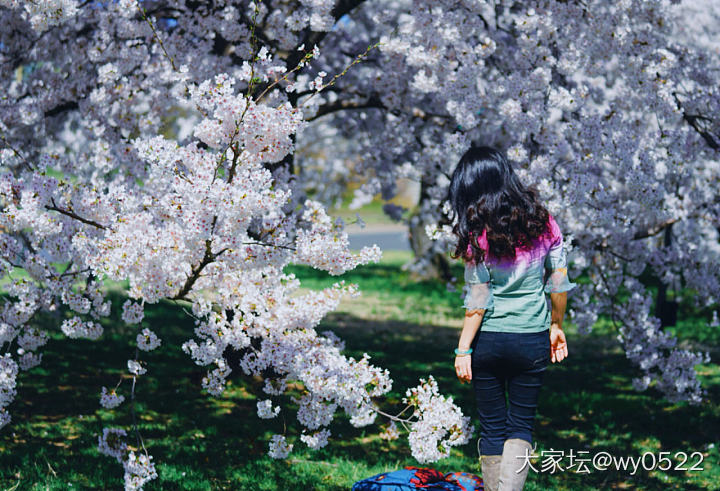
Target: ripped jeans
512 362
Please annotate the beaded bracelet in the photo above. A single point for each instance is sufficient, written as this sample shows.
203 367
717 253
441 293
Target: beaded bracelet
458 352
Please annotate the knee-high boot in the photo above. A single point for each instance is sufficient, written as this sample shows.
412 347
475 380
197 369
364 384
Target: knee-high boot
511 477
490 468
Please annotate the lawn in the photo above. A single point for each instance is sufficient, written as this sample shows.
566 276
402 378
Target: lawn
409 327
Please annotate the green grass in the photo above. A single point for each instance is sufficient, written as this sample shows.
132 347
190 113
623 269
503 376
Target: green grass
409 327
371 213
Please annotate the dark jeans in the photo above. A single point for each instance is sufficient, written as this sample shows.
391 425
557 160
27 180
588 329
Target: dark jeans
515 362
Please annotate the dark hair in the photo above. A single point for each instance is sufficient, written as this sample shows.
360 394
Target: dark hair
485 193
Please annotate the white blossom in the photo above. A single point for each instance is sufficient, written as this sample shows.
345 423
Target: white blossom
77 328
110 399
135 367
139 469
112 443
147 340
317 440
133 313
265 409
279 448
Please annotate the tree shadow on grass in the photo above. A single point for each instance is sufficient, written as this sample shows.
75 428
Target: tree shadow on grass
587 403
200 442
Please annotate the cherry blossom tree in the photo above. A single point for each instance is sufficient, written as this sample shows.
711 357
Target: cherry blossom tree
129 155
178 145
608 108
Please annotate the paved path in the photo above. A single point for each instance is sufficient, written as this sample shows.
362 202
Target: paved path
387 237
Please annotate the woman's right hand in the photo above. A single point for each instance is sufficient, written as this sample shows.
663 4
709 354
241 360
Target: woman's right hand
558 343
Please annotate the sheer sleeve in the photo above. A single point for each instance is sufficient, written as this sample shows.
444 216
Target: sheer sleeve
479 295
556 263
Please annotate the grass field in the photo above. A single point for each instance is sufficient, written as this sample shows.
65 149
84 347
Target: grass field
409 327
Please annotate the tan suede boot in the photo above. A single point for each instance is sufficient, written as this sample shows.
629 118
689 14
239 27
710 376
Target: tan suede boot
512 461
490 465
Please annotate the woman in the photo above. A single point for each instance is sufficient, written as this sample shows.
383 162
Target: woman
514 254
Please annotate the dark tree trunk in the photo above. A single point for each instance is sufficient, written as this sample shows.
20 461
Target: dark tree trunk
421 243
666 310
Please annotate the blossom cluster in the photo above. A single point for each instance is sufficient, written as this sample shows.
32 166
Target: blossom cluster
111 443
43 14
110 399
148 340
440 424
139 469
8 381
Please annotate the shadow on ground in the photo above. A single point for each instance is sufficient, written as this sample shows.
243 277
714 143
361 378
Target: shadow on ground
201 442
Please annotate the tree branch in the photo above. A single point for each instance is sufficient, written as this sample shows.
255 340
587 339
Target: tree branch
340 105
195 273
72 214
654 230
313 38
208 258
694 121
61 108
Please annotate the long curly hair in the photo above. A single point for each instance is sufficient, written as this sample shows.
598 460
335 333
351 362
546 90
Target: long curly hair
485 193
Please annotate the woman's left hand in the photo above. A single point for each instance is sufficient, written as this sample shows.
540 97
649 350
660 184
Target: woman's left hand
462 367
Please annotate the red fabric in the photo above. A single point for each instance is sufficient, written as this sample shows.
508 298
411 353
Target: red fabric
412 477
425 476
